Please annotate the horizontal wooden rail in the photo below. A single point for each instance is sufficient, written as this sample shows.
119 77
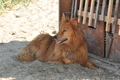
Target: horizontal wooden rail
105 20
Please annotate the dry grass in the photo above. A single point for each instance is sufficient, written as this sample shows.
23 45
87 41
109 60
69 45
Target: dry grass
9 4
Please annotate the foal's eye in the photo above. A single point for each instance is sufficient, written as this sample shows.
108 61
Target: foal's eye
64 30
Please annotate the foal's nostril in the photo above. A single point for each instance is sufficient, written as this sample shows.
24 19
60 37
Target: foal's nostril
55 36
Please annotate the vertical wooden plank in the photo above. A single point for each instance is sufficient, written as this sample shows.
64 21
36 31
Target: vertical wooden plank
97 14
91 13
119 30
109 43
115 50
109 15
110 46
103 10
117 6
85 11
80 11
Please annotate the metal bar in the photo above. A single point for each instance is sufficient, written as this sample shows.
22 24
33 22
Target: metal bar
75 9
109 15
117 6
103 10
80 11
96 14
85 11
91 13
72 9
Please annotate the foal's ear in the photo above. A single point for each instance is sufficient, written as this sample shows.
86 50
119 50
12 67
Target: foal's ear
74 23
64 19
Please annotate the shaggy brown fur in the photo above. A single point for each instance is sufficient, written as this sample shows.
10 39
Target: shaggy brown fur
68 46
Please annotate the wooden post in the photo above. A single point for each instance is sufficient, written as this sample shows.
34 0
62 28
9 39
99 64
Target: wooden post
119 30
109 15
80 11
85 11
117 6
97 14
91 13
103 10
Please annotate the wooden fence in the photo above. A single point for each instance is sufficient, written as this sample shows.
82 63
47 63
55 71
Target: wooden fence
99 20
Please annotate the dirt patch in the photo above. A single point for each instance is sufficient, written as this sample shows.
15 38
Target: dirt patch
18 27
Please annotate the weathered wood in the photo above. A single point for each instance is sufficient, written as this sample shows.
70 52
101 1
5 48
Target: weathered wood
91 13
80 11
109 15
105 60
102 17
105 64
117 6
95 38
97 14
119 30
109 43
85 11
105 20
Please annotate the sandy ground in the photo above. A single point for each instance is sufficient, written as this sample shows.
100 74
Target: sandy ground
21 25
